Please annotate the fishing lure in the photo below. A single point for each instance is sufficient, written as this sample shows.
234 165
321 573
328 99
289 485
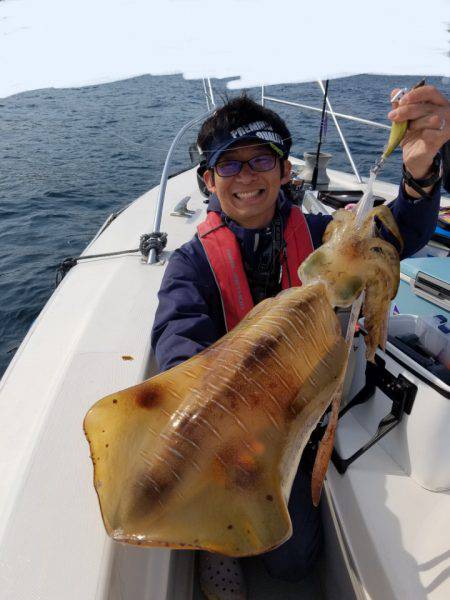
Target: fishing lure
398 130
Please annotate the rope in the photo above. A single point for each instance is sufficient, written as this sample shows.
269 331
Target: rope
153 241
149 241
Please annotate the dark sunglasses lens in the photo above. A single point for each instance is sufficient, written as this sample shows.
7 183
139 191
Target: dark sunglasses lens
263 163
228 168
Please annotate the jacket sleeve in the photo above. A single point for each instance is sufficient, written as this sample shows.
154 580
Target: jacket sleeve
445 153
317 225
187 319
416 219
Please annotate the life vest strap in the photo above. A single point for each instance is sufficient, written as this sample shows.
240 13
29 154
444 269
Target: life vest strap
224 257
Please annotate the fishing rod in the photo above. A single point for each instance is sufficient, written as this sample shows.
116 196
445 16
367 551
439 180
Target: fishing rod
323 120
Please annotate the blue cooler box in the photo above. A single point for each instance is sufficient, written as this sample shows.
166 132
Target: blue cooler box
424 287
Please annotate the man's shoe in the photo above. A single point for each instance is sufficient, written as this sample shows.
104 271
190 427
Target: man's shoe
221 577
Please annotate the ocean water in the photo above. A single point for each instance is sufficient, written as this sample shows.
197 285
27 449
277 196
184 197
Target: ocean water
69 158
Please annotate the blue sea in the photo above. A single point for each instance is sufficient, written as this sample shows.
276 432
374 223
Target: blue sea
71 157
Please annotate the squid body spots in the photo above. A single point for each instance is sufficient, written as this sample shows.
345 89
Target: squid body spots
239 467
148 397
261 351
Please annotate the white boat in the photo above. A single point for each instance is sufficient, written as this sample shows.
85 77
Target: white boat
387 537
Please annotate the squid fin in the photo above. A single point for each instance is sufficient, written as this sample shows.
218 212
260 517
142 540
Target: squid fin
223 499
325 449
129 423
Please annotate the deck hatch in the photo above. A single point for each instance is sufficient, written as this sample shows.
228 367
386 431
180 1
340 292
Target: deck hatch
432 289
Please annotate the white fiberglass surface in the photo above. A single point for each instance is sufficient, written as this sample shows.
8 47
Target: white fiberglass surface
396 530
92 337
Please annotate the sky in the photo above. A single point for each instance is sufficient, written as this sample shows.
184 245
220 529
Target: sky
72 43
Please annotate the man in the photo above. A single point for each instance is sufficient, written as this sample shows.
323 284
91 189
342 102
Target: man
249 248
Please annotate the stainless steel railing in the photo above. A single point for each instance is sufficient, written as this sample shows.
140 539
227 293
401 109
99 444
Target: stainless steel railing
334 116
165 177
165 174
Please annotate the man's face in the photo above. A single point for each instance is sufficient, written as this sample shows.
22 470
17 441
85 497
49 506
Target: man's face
249 198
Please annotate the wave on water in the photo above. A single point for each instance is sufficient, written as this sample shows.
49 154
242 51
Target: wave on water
62 194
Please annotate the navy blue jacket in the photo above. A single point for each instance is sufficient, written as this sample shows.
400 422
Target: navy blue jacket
189 317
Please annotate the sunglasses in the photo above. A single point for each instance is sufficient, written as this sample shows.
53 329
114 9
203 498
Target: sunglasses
228 168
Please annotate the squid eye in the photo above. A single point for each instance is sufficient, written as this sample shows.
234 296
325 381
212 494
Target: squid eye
377 249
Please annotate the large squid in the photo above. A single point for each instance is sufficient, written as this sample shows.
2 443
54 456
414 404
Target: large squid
203 456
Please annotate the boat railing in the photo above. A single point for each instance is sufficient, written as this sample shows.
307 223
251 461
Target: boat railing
334 115
209 94
210 103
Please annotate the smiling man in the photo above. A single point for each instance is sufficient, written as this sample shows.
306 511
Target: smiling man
248 182
247 164
249 248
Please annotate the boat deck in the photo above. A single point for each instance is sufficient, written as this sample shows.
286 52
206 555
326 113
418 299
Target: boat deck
71 357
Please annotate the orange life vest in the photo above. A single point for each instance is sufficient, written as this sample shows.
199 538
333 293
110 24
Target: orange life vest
224 256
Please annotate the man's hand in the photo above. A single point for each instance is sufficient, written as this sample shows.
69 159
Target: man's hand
428 113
